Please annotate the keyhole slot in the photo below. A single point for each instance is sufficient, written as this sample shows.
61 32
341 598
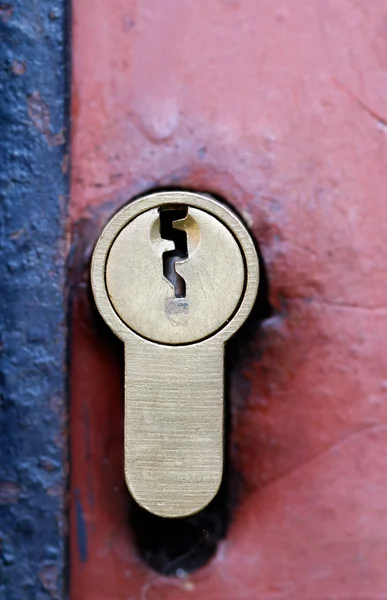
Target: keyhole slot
168 216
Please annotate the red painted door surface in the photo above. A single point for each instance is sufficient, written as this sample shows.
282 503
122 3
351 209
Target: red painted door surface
279 107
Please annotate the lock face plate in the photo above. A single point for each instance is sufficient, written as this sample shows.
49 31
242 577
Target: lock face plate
174 275
212 272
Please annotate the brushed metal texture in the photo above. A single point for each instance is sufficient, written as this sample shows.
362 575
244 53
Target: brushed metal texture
173 425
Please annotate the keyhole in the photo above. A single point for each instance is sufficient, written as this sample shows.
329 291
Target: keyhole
168 232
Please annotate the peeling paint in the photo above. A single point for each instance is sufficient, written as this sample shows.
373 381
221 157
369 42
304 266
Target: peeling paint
9 492
49 578
81 527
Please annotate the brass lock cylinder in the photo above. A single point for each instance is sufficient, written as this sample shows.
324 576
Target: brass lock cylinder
174 275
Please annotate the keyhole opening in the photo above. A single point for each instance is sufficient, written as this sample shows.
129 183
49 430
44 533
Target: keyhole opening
168 216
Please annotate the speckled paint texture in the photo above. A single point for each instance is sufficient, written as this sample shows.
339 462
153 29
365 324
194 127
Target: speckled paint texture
34 94
279 107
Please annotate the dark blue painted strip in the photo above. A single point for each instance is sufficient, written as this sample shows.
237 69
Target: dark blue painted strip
34 100
81 528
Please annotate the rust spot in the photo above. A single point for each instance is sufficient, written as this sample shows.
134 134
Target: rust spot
16 234
49 579
38 112
9 492
55 139
56 405
62 524
18 67
40 116
60 440
47 464
65 164
55 490
6 11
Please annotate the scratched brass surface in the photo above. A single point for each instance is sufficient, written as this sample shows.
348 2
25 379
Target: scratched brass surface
174 392
174 425
214 274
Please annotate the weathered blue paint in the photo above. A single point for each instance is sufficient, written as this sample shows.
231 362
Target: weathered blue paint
81 528
34 188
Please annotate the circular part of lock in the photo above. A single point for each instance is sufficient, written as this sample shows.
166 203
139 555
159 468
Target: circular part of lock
175 268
